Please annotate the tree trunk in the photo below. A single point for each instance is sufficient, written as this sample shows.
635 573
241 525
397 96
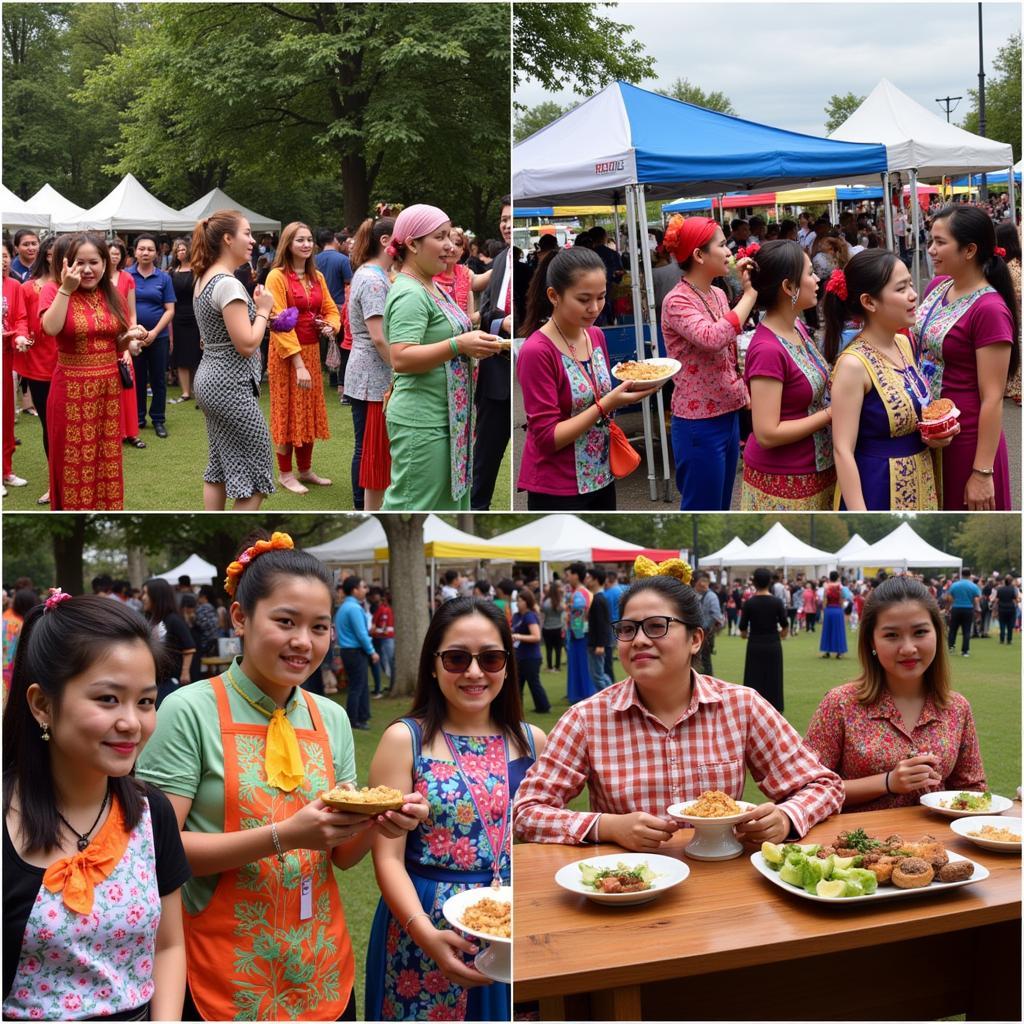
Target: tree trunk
67 556
466 521
355 188
408 570
138 566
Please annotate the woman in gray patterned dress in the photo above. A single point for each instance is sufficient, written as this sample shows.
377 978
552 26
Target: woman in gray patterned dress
227 383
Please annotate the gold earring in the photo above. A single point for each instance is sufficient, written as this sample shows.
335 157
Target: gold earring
46 732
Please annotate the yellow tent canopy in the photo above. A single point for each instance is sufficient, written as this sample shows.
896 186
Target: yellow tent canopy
802 196
582 211
452 549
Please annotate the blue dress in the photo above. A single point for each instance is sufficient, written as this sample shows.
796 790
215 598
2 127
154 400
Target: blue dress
833 623
580 685
448 853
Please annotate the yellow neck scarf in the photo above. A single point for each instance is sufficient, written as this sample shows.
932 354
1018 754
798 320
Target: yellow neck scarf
282 759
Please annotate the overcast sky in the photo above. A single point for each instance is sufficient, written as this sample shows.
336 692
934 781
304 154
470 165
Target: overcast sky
749 51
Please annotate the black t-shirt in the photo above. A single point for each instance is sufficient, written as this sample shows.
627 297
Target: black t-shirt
22 881
176 638
1006 597
763 615
599 633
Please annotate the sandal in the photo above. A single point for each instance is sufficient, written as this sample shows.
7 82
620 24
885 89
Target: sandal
44 500
289 483
135 442
312 478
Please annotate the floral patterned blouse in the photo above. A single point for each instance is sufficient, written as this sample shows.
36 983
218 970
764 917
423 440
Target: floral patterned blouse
857 740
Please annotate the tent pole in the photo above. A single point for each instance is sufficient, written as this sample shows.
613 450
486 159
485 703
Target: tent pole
638 326
1011 184
615 200
721 209
653 324
915 222
890 239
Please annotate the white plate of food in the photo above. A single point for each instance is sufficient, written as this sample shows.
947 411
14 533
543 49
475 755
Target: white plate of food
640 877
713 815
993 832
963 803
486 915
647 372
880 873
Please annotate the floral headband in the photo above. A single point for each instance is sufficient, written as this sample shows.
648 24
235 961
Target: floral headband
56 597
644 567
837 284
277 542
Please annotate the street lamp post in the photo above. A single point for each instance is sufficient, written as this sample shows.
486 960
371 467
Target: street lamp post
983 186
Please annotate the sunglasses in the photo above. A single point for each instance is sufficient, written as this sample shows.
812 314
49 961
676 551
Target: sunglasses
654 626
459 661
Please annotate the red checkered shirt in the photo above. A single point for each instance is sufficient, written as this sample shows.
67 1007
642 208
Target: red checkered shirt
631 761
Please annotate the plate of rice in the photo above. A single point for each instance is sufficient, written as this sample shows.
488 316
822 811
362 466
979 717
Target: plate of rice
712 806
647 372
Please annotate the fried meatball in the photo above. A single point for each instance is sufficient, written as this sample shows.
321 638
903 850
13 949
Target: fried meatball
882 868
929 849
912 873
956 871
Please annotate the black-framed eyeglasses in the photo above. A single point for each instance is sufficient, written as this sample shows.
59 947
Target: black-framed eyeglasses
654 626
459 661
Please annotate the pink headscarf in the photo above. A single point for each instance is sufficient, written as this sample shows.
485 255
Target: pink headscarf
414 222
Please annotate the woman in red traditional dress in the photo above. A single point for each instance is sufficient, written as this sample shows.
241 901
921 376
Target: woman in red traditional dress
458 280
298 412
89 319
125 285
15 335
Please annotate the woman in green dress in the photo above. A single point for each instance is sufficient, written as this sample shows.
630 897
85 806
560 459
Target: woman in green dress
430 410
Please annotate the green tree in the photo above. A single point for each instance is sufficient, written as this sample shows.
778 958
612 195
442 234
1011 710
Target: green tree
839 108
532 119
685 90
1002 98
572 44
990 541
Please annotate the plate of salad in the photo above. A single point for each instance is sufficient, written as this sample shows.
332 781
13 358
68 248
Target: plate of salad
622 878
962 803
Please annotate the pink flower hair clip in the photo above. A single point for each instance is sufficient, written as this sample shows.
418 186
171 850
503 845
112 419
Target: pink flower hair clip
837 284
750 251
1000 251
56 596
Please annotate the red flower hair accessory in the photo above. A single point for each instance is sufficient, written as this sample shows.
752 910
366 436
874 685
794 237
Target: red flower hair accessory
748 250
837 284
1000 251
277 542
56 597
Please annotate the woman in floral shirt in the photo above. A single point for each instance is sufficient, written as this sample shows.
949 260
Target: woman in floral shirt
898 731
465 747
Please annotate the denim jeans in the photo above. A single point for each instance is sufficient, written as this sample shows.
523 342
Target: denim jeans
706 453
358 705
597 671
359 428
386 649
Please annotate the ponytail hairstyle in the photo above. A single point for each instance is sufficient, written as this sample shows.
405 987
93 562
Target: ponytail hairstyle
56 645
115 303
208 237
866 274
559 272
970 224
42 268
366 244
776 262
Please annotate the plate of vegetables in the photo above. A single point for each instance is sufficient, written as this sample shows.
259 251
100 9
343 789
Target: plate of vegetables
622 878
963 803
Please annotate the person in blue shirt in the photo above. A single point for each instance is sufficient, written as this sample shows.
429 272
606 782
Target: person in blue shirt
154 307
357 651
337 270
612 594
26 243
964 598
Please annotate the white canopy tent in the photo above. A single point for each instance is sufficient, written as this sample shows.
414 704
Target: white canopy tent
64 214
724 557
853 546
14 213
197 569
779 548
129 207
902 549
922 143
216 199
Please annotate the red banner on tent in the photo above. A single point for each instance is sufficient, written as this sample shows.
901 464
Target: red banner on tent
627 554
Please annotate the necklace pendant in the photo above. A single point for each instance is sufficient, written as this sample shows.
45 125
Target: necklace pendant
83 842
496 881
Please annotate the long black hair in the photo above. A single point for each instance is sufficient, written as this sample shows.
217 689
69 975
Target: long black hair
428 703
866 274
1008 237
558 271
54 647
161 600
41 267
776 262
969 224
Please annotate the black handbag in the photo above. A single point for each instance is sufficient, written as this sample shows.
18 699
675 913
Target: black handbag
126 375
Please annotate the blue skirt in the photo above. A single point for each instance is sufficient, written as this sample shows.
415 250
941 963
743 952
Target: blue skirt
833 631
580 684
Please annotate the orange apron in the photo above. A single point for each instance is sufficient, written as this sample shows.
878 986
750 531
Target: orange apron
261 949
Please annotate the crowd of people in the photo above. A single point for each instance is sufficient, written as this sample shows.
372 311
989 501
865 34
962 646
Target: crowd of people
387 315
805 351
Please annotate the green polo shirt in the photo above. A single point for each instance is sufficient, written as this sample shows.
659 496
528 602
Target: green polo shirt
185 755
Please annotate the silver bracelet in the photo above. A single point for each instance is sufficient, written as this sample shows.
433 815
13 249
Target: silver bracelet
277 841
412 917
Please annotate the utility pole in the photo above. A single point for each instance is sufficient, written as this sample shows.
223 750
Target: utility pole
949 103
983 186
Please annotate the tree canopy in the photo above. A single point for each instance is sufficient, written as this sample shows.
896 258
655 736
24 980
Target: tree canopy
531 119
1002 98
839 108
685 90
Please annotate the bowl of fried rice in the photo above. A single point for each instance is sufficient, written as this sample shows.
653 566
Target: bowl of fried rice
712 816
486 915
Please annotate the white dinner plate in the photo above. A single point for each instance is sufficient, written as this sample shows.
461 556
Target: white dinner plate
934 802
669 368
455 906
965 826
679 812
883 892
669 872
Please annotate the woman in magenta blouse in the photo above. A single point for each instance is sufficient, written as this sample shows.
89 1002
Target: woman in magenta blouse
565 376
968 329
899 730
700 331
787 461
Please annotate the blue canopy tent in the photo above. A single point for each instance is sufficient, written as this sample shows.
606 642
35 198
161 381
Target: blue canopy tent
628 143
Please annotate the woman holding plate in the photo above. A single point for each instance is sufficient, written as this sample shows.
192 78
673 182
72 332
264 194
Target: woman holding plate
430 412
898 730
465 747
664 735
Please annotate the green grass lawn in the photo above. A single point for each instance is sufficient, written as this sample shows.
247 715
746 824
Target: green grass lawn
168 475
990 679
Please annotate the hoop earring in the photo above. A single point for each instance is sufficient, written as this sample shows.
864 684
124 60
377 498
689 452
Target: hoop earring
46 732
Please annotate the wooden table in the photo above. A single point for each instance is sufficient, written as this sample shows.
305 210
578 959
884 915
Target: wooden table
726 944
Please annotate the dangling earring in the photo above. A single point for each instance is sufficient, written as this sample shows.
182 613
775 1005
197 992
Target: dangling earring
795 296
46 732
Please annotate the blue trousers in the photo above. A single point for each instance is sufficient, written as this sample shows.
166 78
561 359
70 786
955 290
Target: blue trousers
151 367
598 674
706 454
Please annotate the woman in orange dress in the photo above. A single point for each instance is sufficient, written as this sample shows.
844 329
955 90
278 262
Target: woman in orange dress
298 413
87 316
125 285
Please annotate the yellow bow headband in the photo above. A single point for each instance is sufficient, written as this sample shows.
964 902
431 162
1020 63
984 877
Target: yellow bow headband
676 567
277 542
